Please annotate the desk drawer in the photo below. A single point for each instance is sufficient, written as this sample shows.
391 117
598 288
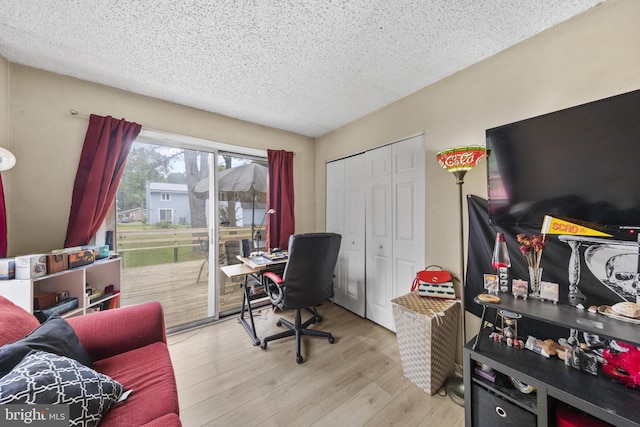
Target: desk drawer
489 410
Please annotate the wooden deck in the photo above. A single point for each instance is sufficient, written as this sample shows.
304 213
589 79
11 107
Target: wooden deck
175 285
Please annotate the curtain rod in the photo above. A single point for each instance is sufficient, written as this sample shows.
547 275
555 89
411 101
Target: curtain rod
77 113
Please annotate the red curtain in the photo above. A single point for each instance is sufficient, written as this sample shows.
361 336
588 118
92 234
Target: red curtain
281 224
104 154
3 223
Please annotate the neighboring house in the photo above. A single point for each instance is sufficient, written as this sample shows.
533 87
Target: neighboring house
131 215
247 215
170 202
167 202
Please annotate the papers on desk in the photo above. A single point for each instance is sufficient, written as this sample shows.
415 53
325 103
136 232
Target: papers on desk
269 257
259 260
276 256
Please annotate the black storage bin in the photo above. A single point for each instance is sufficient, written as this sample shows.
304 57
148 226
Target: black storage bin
489 410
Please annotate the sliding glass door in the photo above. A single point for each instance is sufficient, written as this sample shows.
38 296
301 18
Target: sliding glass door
174 232
163 231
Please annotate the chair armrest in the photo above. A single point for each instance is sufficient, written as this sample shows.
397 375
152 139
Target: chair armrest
107 333
273 286
273 276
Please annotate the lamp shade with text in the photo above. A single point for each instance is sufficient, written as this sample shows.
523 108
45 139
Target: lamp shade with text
459 160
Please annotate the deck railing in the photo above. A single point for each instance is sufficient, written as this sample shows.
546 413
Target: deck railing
175 238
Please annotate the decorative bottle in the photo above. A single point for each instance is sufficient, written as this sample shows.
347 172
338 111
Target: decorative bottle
501 262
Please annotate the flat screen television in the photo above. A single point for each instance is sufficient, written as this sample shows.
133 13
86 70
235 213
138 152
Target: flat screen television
581 163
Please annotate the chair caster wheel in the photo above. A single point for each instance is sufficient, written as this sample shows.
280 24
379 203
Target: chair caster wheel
299 359
278 323
263 345
332 340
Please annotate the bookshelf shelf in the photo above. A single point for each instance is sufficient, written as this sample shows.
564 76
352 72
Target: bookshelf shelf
98 275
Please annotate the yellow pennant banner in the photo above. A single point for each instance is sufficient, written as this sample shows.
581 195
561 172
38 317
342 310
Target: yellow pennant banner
552 225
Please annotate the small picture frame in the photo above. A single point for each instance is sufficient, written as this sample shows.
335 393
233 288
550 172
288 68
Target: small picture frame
519 288
549 291
491 283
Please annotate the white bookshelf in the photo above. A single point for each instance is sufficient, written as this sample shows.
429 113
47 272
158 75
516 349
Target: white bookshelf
99 275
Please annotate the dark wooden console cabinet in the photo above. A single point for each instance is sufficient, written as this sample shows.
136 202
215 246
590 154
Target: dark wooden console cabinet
488 403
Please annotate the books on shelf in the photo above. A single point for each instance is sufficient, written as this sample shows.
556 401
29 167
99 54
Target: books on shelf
96 294
105 300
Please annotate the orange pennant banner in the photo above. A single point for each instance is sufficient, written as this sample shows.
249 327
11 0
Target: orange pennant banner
552 225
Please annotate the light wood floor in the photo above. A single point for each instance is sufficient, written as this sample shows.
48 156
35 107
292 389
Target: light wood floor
223 380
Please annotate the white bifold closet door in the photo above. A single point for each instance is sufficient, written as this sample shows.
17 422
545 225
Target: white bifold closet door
395 224
376 201
345 215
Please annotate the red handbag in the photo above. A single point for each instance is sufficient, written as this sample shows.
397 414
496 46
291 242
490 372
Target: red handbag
434 283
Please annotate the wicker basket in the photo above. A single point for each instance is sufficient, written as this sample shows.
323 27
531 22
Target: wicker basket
427 329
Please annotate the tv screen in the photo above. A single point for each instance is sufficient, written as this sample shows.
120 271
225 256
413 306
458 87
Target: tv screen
581 163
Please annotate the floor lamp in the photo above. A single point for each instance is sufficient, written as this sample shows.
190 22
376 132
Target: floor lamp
458 161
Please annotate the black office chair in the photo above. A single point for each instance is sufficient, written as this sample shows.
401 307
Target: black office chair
307 282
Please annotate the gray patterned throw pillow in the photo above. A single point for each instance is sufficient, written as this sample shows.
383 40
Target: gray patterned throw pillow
46 378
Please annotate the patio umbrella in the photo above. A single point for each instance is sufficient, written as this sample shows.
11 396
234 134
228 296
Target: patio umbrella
244 178
246 182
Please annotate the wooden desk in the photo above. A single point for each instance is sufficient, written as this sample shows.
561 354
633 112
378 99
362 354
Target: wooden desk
250 268
237 270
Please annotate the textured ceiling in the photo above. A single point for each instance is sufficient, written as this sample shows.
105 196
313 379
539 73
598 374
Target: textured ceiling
306 66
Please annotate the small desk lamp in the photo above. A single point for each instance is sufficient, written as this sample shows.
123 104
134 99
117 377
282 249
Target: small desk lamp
258 234
458 161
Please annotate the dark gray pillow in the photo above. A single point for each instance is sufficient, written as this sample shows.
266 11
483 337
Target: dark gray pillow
45 378
53 336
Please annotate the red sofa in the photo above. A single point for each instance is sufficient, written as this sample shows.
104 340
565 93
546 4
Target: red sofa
129 345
